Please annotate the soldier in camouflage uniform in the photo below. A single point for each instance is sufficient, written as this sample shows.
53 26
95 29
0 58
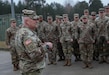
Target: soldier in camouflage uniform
56 19
29 46
102 35
10 34
86 35
107 14
93 17
41 28
59 45
107 11
74 27
65 39
51 31
96 52
86 13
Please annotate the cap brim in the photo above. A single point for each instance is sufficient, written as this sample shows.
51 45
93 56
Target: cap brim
35 17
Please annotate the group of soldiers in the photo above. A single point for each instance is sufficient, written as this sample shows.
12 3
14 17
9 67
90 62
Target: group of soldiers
86 37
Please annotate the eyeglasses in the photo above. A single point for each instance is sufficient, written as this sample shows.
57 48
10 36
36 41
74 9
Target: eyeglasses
107 8
49 19
101 12
93 15
13 22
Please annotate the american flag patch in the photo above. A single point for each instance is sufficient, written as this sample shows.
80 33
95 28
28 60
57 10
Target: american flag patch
27 42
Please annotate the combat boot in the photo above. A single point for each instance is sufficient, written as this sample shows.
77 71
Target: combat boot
101 60
106 60
54 63
90 65
50 63
15 67
69 62
66 62
85 65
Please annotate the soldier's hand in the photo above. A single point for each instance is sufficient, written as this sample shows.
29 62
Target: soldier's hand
108 42
71 40
93 41
9 46
49 45
60 41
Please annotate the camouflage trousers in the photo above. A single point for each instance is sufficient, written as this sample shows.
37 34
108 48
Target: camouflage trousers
96 52
86 51
67 49
52 55
14 56
76 48
33 73
103 48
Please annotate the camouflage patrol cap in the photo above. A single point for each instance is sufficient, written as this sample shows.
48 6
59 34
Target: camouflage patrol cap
30 13
101 9
76 15
84 17
93 13
57 16
40 16
60 17
49 17
65 15
86 10
12 20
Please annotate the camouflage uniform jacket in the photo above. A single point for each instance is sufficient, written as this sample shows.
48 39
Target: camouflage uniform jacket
29 49
65 31
51 31
74 27
107 15
41 29
10 34
102 24
86 33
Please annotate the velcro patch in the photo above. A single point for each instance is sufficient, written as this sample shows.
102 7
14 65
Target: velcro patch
27 42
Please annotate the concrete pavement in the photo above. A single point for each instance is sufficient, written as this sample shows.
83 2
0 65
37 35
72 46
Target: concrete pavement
59 69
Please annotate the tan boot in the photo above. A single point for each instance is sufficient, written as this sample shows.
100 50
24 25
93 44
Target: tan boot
69 62
54 63
50 63
66 62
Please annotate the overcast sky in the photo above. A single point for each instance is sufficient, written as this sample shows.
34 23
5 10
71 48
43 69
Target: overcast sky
105 2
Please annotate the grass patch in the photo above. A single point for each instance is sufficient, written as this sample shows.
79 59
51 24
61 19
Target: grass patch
2 44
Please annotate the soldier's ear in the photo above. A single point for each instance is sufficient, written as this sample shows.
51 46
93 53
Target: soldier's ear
27 21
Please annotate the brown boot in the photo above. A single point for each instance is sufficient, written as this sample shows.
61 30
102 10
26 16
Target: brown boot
90 65
69 62
15 67
106 60
66 62
85 65
101 60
